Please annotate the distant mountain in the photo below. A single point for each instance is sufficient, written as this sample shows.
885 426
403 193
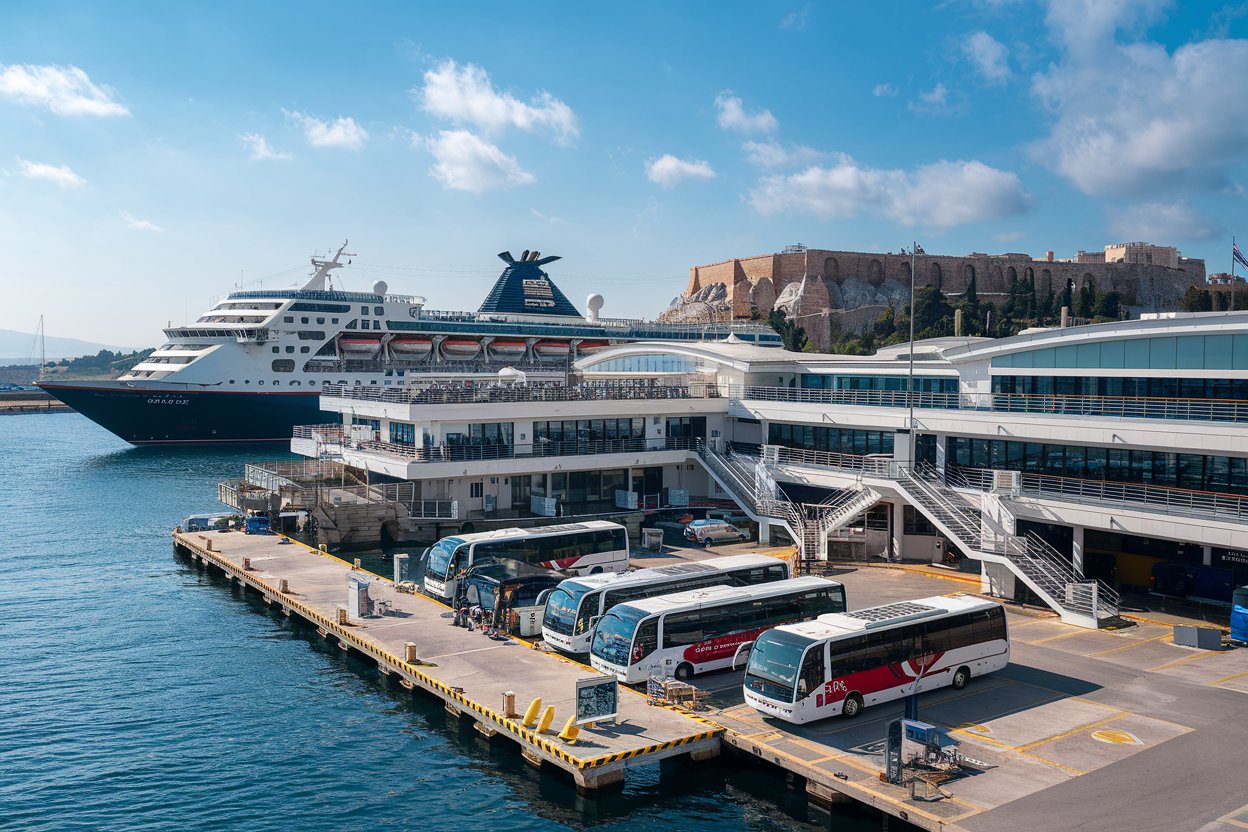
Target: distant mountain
21 347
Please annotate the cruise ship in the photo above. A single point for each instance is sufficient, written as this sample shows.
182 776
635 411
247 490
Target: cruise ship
252 367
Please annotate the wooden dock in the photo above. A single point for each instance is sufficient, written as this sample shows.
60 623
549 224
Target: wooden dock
468 671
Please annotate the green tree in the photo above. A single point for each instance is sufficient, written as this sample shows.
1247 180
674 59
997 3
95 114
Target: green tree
792 335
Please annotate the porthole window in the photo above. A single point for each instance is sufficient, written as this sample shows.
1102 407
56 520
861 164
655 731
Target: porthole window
261 381
290 349
305 349
333 320
246 381
231 381
303 320
277 349
320 320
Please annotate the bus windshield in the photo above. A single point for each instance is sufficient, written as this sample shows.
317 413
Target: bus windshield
772 670
440 556
561 606
614 635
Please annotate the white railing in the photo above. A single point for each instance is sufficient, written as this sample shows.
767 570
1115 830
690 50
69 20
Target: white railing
501 393
1118 407
1153 498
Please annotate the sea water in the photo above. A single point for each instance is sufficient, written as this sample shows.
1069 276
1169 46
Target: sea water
139 693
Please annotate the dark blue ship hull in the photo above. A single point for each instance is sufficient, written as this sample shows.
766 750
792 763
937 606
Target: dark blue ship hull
155 414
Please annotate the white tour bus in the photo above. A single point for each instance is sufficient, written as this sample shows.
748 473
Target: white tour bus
574 607
838 664
575 548
700 630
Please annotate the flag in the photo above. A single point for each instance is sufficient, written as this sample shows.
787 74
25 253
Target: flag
1239 256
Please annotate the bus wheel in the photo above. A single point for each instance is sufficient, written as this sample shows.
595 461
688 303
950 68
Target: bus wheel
960 677
596 570
852 706
684 671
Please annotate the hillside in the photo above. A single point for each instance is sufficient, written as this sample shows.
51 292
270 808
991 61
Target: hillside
21 347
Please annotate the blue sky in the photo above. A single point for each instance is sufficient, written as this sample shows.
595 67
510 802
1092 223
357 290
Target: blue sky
152 155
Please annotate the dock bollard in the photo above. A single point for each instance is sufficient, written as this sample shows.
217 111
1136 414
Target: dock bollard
409 653
283 587
357 563
547 718
246 564
323 548
208 545
509 704
340 614
530 716
570 731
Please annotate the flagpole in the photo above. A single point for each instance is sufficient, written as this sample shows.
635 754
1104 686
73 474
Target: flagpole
1233 244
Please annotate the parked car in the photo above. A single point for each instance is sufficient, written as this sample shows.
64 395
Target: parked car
718 532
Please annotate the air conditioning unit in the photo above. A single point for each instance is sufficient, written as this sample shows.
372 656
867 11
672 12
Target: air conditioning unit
1007 482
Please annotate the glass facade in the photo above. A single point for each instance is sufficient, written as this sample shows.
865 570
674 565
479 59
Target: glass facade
1228 475
654 363
402 433
589 430
922 384
1159 388
489 433
1181 352
836 440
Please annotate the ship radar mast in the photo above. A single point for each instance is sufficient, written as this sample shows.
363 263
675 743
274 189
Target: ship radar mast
317 282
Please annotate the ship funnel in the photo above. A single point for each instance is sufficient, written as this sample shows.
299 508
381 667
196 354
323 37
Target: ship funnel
535 255
524 256
506 257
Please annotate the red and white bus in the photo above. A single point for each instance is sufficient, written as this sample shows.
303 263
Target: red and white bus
839 664
699 630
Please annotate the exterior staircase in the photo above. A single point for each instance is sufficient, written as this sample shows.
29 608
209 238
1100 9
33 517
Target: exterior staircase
1044 570
749 481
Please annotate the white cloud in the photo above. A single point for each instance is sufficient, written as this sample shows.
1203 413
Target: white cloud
1163 223
939 195
341 132
467 96
1133 118
65 90
796 21
732 116
935 100
466 162
553 220
1008 236
775 155
669 171
885 90
989 56
260 149
56 174
140 225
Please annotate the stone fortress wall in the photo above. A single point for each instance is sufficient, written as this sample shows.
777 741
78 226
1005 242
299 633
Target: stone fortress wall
853 287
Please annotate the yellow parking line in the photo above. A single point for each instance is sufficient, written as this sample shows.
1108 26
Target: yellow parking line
1071 769
1077 632
1071 732
1132 644
1229 678
1183 660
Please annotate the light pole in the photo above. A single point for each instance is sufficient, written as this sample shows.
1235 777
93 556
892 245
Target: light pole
914 249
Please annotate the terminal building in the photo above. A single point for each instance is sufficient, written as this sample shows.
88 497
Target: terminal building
1065 466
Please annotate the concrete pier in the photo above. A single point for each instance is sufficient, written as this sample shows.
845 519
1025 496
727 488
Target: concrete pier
468 671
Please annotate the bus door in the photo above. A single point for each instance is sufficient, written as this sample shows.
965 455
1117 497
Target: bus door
742 656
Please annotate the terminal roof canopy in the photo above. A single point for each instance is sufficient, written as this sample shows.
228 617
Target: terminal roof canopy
524 289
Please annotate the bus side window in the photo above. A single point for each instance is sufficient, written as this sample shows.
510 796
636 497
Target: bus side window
682 628
812 674
619 539
989 624
647 639
777 572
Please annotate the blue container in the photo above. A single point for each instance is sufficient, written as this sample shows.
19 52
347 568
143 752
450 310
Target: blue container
1239 615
